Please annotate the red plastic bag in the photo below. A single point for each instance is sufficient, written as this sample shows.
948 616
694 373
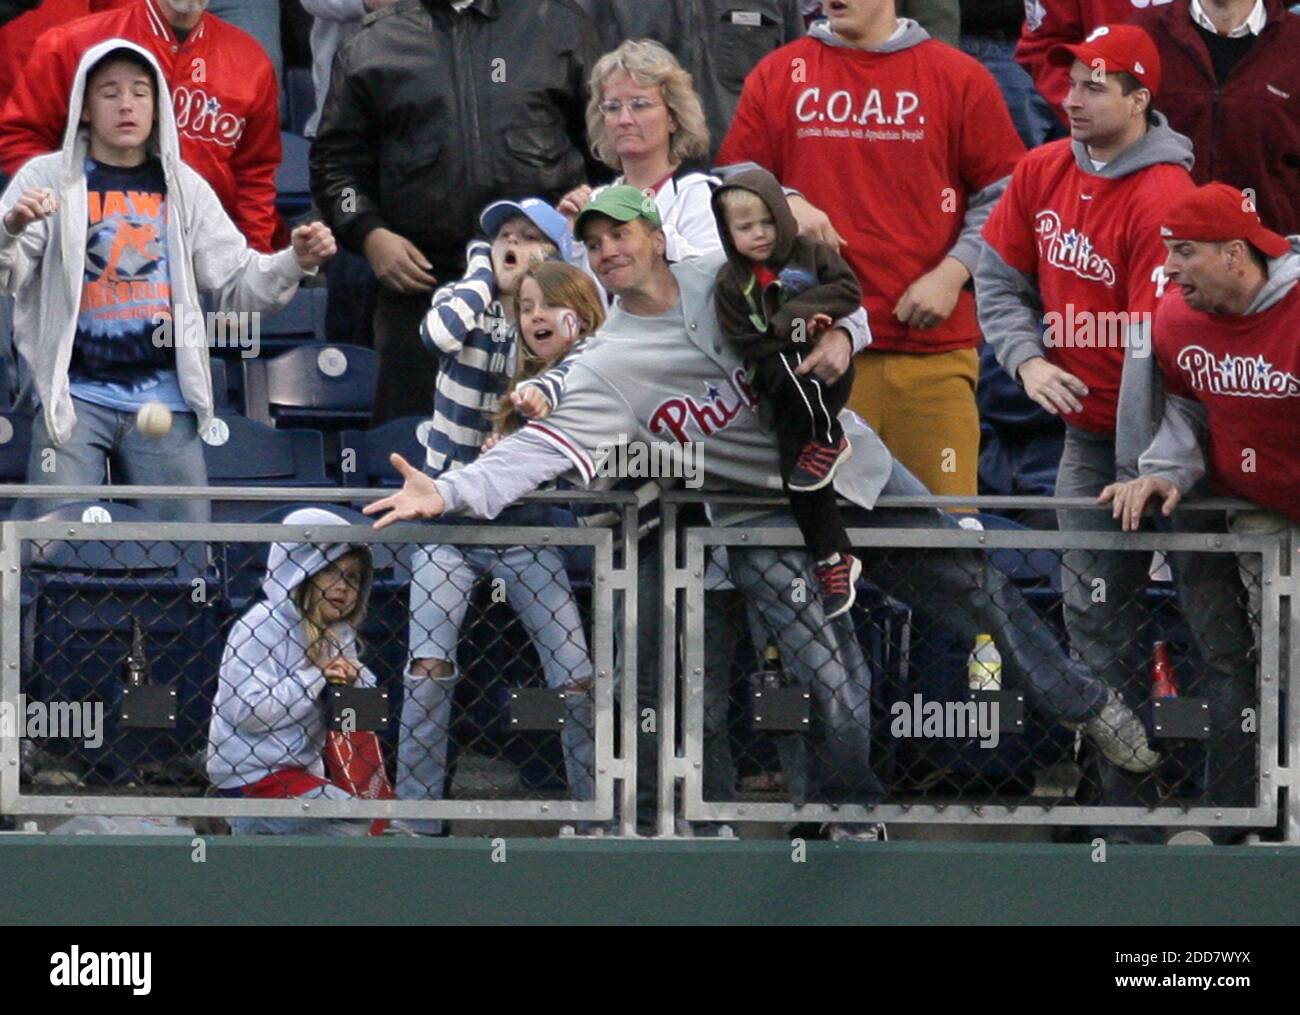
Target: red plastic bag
355 761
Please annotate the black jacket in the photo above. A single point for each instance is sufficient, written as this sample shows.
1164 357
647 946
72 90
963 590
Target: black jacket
812 279
431 115
716 48
10 9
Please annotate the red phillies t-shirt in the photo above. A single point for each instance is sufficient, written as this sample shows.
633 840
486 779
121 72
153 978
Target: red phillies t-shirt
1094 245
1245 370
890 146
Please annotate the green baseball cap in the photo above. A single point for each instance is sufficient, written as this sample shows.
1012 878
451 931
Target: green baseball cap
622 203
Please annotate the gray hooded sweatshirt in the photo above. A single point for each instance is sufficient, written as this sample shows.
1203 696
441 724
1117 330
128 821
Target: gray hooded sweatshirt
1177 452
979 204
267 714
1011 310
43 268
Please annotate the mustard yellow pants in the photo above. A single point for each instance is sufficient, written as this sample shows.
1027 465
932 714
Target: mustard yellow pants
923 408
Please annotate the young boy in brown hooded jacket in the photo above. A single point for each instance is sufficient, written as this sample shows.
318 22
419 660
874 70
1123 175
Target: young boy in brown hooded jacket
777 292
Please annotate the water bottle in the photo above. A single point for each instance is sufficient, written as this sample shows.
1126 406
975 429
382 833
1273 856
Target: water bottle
984 667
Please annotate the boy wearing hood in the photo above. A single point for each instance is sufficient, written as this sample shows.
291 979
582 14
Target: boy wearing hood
106 246
1076 240
777 292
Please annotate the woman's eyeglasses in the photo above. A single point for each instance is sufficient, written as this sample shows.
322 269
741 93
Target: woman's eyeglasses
612 107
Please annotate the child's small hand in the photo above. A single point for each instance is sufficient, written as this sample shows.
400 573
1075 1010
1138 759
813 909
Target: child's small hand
530 403
342 670
819 323
492 441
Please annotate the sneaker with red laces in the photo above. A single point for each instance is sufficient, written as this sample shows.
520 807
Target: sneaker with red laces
837 579
817 464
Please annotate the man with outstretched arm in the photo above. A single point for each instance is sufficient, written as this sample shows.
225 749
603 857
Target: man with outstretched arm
660 372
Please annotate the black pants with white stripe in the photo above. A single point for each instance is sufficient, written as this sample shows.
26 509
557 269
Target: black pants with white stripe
804 409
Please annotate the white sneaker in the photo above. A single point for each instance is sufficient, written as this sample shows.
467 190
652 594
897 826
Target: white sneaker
858 833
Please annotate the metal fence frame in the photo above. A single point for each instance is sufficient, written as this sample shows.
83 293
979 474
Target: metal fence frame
614 773
684 560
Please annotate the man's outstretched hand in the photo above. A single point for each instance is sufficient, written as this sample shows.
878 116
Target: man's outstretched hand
1130 499
418 497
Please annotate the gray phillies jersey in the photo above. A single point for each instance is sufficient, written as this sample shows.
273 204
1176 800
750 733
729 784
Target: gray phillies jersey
639 381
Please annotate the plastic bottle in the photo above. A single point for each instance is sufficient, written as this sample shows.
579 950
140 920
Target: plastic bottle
984 668
1164 684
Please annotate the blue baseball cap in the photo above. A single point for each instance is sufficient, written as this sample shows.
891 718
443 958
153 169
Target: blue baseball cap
554 225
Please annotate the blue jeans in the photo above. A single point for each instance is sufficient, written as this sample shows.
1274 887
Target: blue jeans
1032 116
537 587
104 435
1106 630
260 19
958 590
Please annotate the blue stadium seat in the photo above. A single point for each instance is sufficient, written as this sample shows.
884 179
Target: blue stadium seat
302 320
16 429
327 387
293 178
371 448
77 629
220 384
300 99
258 455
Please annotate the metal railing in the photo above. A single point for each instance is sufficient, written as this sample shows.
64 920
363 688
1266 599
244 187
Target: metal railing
877 654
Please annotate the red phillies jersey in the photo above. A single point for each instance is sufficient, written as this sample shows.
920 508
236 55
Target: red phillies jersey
1050 23
890 146
1245 370
19 36
223 90
1094 246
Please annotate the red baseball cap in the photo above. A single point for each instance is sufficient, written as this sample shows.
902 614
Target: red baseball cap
1217 213
1119 48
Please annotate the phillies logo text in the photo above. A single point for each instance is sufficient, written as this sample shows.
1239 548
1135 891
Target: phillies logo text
1071 250
675 415
1241 376
199 115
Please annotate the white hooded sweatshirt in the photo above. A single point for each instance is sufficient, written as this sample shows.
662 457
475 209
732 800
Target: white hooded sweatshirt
268 714
43 268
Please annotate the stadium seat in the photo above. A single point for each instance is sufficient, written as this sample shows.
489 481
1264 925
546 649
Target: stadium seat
253 454
300 99
302 320
327 387
220 384
369 466
293 178
16 431
77 625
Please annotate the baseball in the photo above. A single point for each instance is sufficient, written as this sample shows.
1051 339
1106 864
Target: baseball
154 419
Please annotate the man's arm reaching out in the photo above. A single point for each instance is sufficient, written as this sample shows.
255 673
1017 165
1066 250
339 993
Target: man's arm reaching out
516 466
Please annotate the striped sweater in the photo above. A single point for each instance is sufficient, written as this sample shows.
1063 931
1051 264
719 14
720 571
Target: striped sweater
467 329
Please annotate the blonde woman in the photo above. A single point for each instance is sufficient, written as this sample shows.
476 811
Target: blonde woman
644 120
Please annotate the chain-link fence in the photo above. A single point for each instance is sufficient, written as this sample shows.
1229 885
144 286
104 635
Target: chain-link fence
307 667
306 673
987 674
